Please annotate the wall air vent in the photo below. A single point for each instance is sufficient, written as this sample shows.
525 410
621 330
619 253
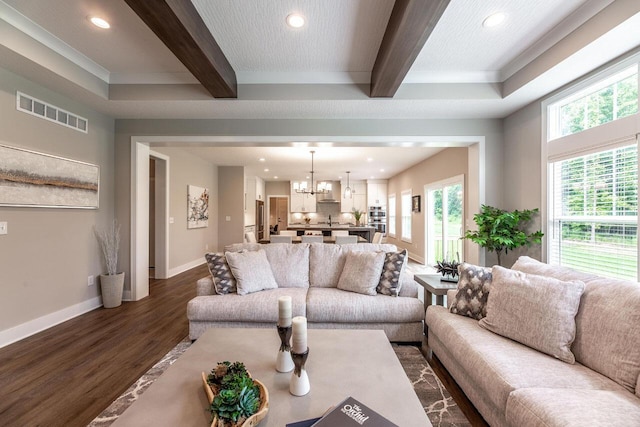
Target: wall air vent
35 107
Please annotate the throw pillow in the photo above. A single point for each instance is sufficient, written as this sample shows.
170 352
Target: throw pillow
389 283
474 284
251 270
223 280
361 272
537 311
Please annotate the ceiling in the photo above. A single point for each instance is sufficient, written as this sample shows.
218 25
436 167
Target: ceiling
458 70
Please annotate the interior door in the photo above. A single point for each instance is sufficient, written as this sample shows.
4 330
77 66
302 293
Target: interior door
283 213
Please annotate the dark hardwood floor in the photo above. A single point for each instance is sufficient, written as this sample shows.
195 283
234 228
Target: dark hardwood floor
68 374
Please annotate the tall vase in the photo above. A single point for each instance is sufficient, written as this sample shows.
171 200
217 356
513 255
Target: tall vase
111 287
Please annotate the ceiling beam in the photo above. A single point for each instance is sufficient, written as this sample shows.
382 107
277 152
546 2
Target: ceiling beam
179 25
409 27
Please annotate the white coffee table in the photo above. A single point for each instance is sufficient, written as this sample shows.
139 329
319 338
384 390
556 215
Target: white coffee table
341 363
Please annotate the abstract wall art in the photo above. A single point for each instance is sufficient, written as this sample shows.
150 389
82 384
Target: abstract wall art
197 207
32 179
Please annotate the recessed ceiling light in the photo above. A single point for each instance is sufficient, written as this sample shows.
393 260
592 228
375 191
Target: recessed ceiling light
381 170
261 159
369 159
295 20
99 22
275 177
493 20
266 170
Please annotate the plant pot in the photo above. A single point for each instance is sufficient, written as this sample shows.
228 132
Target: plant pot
357 223
111 287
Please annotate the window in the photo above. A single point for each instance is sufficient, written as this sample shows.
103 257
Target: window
592 178
392 215
595 212
444 220
406 215
607 100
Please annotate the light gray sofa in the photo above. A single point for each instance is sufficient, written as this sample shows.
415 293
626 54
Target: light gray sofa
313 271
514 385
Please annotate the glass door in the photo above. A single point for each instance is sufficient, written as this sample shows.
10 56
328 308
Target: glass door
444 228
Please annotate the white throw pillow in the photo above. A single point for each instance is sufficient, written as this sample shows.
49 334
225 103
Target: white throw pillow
251 270
361 272
537 311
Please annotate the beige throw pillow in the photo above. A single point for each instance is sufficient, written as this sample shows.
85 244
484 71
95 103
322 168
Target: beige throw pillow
361 272
251 270
536 311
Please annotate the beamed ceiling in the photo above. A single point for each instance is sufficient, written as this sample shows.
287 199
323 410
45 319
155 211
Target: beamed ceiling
352 60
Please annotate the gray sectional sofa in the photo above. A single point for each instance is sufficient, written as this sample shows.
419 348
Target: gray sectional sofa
310 274
515 385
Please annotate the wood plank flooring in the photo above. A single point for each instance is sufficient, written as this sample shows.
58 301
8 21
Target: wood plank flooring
68 374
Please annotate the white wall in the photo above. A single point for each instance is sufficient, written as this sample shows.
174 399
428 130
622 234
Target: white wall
48 254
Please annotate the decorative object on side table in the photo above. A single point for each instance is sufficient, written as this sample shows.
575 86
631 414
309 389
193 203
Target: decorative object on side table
448 269
112 283
236 399
284 363
299 384
500 230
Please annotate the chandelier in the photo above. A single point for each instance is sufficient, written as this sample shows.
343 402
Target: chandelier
322 188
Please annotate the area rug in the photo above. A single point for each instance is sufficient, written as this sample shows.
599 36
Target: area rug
436 400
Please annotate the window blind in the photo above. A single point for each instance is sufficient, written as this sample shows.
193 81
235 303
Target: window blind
594 219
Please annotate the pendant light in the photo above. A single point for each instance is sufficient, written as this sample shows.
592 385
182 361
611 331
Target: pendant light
348 193
323 187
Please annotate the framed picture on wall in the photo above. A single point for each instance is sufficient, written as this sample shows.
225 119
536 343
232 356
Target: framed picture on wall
415 204
32 179
197 207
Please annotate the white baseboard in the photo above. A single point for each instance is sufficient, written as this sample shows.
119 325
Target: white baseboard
24 330
184 267
418 259
126 296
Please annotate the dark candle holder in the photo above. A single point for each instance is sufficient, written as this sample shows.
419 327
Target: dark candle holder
284 363
299 384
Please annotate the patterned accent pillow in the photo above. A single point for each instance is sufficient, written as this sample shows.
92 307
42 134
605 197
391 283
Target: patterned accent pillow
223 280
389 283
473 291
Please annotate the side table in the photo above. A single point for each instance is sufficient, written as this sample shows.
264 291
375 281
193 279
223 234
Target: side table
433 286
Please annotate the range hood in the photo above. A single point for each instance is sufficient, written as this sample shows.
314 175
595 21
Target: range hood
330 196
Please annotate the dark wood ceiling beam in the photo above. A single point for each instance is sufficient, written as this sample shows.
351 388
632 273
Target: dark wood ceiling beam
409 27
178 24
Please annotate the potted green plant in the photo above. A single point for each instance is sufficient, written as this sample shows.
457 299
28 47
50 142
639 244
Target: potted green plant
236 399
357 214
500 230
112 283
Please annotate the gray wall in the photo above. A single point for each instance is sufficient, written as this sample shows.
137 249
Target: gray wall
187 246
446 164
523 169
231 205
48 254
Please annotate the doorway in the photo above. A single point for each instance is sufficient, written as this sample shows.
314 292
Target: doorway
158 215
278 214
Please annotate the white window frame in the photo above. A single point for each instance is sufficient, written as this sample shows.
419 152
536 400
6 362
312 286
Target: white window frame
429 225
405 232
613 134
391 214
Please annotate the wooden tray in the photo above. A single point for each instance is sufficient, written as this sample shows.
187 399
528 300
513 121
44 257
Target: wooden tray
253 420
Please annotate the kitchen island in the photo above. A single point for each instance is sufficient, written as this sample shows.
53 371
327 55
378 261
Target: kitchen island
363 231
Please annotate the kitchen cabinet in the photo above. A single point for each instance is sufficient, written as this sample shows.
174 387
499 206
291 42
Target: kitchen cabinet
260 189
358 199
300 202
377 192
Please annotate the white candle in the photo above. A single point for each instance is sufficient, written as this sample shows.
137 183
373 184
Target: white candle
284 311
299 339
